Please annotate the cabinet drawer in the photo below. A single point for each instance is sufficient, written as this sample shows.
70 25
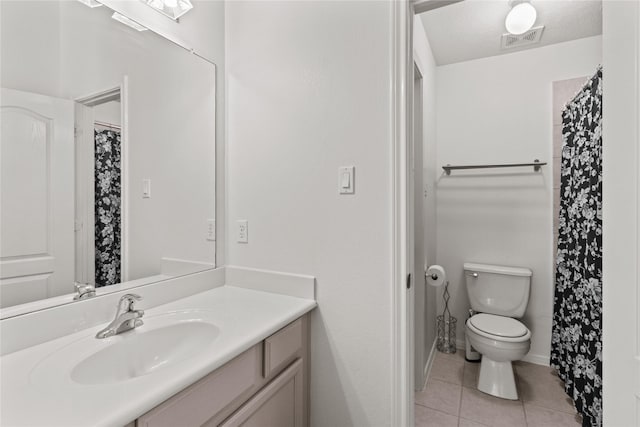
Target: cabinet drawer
282 348
197 404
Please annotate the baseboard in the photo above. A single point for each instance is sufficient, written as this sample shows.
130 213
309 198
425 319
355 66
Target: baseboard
537 359
429 364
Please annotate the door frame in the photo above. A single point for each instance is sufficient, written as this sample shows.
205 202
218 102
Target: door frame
91 100
403 323
624 361
419 239
401 122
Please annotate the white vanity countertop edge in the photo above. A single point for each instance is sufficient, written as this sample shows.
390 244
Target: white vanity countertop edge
245 317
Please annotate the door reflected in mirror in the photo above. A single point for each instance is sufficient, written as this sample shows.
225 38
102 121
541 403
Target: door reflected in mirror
107 155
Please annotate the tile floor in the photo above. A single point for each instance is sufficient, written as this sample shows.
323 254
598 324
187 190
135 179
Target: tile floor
451 398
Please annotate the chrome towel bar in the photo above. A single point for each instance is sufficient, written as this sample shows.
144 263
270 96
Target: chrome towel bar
536 166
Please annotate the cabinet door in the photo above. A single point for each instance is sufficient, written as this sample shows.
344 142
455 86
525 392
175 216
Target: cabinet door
279 404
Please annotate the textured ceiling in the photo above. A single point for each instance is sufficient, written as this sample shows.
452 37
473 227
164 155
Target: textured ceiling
472 29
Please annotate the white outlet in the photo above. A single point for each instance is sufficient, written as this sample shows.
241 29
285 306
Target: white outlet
211 229
243 231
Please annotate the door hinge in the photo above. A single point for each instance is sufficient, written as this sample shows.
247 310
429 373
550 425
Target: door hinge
409 281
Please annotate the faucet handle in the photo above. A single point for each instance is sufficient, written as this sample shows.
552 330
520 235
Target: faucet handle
128 300
83 291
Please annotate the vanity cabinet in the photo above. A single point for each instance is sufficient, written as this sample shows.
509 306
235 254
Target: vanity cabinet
267 385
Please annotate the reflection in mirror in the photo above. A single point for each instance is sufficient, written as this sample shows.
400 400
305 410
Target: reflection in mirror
107 155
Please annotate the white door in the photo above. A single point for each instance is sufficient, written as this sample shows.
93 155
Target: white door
36 197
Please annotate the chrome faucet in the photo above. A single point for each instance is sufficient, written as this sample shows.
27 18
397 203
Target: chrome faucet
126 317
83 291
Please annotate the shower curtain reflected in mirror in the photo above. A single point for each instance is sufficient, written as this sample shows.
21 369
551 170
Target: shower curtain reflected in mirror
576 347
107 207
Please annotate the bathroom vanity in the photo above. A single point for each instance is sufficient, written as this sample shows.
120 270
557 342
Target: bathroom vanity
100 153
265 385
231 349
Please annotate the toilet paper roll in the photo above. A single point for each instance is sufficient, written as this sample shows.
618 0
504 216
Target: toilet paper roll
436 275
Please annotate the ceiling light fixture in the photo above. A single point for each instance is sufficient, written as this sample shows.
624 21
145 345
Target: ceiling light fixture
521 17
90 3
128 22
174 9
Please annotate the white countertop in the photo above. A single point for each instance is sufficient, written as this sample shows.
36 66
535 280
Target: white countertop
244 316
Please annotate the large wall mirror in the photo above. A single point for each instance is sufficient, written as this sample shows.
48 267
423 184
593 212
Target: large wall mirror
107 155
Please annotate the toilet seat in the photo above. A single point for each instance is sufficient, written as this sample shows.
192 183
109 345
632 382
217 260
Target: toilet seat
498 328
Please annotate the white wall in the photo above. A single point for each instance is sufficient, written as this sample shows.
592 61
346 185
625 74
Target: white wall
22 23
499 110
426 296
109 112
309 91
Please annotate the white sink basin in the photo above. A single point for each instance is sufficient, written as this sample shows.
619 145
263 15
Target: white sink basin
142 353
160 342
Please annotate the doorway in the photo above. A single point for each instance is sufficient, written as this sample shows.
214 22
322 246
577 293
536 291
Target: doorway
615 13
100 177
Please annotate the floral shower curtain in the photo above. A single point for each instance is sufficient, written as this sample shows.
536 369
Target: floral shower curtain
107 207
576 347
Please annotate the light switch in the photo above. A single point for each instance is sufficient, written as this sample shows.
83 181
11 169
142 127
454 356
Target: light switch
346 181
346 176
146 188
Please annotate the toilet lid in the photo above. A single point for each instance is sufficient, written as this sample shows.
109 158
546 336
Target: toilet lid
498 325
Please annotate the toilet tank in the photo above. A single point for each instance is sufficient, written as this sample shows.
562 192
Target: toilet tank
497 289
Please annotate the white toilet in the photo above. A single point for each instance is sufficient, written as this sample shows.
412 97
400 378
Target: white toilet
499 295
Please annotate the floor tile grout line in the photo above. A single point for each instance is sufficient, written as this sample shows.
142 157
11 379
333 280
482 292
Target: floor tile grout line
445 381
460 402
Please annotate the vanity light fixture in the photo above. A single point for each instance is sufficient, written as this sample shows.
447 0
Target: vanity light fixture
174 9
91 3
521 17
128 22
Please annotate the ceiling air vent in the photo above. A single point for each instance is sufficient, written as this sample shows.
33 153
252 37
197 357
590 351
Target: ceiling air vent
530 37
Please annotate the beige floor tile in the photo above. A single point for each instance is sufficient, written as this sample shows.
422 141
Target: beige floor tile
492 411
540 386
440 395
468 423
470 374
543 417
457 356
446 369
427 417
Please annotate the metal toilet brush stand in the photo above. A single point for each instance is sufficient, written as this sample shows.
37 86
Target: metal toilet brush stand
446 340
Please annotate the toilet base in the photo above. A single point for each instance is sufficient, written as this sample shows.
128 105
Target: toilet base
496 379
